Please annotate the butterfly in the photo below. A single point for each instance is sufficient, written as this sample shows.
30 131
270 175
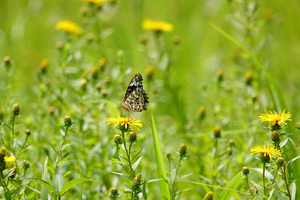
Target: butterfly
136 99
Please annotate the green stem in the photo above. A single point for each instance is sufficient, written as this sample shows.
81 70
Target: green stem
22 147
247 180
2 182
286 182
274 178
127 153
117 152
214 162
173 184
264 169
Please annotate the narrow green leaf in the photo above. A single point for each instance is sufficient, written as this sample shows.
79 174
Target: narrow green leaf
43 183
120 174
57 182
62 132
218 187
71 183
114 112
293 189
283 142
44 192
267 173
272 81
52 147
162 173
134 166
144 190
7 195
233 184
294 159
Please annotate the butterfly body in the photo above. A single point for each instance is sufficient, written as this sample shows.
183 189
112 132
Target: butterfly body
136 99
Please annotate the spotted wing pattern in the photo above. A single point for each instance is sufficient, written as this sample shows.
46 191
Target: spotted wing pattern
136 99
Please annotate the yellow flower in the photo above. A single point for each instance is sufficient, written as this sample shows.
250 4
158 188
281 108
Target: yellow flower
68 27
9 160
267 150
157 26
274 119
96 2
125 123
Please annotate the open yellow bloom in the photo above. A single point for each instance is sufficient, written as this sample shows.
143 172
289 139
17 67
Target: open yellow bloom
9 160
96 2
125 123
267 150
157 26
274 119
68 27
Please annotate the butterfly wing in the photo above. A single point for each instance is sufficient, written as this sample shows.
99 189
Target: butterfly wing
136 99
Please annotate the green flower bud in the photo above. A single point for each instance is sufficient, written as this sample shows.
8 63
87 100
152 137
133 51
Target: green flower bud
280 161
202 111
219 75
245 171
99 87
143 39
68 120
208 196
182 150
7 61
275 137
217 132
26 164
28 132
168 154
95 72
176 39
117 139
13 171
231 142
114 192
16 109
132 137
249 78
136 182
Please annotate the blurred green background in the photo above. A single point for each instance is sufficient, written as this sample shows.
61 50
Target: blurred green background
28 35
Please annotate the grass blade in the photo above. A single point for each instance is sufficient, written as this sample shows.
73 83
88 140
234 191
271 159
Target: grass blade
164 188
278 93
71 183
44 192
233 184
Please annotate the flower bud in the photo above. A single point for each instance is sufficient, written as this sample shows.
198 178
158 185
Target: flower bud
132 137
59 45
114 192
219 75
2 161
275 137
248 78
90 37
13 172
168 154
143 39
254 97
265 157
26 164
16 109
95 72
217 132
245 171
231 142
44 65
28 132
68 120
176 39
84 10
136 182
204 86
83 83
253 190
208 196
202 112
280 161
117 139
102 63
149 71
7 61
99 86
229 151
104 93
267 14
182 150
107 79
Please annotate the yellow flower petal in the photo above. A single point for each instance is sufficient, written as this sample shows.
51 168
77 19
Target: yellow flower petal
125 122
269 150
